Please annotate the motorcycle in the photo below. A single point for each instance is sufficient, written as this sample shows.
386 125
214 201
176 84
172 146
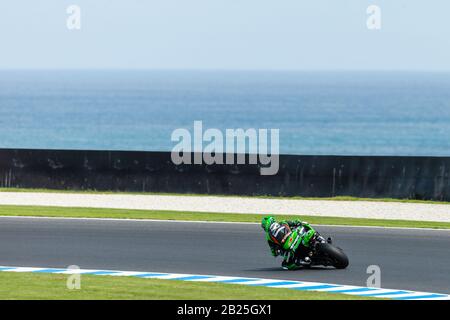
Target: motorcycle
321 251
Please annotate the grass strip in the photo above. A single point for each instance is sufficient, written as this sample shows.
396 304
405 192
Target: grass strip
70 212
32 286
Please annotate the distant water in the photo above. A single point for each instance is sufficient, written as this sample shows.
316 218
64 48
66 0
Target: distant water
317 113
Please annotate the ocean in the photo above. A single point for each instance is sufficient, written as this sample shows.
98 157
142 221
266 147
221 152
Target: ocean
318 113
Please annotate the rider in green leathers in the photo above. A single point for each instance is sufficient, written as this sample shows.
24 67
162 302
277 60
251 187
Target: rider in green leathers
290 239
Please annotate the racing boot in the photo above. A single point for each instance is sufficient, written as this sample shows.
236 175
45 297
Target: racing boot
289 262
306 261
288 265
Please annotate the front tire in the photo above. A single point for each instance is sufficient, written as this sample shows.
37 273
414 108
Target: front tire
337 256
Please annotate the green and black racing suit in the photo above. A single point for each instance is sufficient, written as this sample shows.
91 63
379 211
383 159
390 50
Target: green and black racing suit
290 239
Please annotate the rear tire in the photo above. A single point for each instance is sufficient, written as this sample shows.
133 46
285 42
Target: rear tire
337 256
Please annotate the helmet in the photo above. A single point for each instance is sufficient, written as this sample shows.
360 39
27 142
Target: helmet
267 222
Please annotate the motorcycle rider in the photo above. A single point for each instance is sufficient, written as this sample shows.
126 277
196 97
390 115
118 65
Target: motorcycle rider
283 238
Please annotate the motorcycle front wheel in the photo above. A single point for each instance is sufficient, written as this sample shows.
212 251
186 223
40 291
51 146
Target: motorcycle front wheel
336 255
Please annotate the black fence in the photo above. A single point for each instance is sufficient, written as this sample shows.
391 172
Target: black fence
308 176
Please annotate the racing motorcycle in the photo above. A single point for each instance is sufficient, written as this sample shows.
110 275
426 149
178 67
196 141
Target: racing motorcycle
322 252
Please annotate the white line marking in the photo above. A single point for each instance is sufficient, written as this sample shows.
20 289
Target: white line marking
260 282
128 274
26 269
213 222
215 279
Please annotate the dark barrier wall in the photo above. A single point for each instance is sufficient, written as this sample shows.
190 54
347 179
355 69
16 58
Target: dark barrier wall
309 176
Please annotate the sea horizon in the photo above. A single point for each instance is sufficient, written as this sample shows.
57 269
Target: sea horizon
317 112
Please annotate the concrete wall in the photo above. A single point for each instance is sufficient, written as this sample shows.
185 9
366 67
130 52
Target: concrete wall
309 176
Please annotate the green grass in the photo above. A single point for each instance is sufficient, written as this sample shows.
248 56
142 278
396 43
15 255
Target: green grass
31 286
38 211
337 198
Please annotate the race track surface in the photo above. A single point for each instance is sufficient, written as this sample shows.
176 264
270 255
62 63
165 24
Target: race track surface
409 259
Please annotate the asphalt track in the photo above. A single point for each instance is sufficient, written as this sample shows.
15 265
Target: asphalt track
409 259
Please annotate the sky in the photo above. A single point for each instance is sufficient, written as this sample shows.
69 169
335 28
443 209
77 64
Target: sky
226 34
